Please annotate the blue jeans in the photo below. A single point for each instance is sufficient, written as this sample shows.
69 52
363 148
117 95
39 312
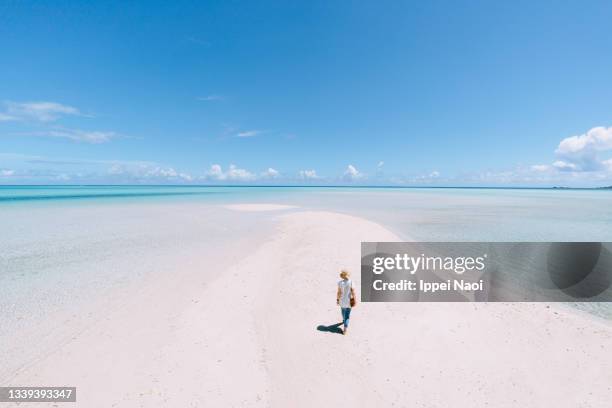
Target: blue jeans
346 313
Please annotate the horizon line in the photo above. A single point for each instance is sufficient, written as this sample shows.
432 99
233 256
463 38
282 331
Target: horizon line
313 186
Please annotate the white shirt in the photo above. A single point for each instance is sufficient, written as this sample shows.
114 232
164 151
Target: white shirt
345 292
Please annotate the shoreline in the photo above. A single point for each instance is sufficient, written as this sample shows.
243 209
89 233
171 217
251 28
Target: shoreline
184 338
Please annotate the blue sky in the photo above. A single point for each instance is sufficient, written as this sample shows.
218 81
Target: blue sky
407 93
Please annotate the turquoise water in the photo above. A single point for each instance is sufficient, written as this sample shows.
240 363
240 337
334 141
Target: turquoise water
77 237
50 193
432 214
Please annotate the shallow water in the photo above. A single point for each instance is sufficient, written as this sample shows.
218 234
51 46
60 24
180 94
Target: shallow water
58 240
434 214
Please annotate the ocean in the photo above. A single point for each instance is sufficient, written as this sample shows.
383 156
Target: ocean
426 214
64 245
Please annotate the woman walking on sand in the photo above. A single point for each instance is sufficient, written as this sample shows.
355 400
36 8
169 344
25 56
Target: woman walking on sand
345 298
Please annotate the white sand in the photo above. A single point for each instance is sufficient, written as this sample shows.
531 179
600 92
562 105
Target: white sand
250 338
259 207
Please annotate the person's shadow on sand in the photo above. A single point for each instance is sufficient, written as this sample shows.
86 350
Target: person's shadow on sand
334 328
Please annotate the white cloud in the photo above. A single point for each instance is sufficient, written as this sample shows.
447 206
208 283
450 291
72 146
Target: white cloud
597 139
167 172
37 111
564 166
51 112
34 169
146 172
233 173
77 135
540 167
215 172
45 160
581 152
248 133
270 173
351 173
424 178
116 169
379 170
308 174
